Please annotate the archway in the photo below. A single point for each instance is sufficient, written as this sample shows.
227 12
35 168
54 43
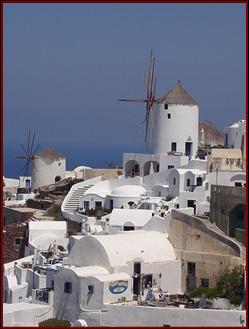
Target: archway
132 168
151 167
237 217
57 179
128 226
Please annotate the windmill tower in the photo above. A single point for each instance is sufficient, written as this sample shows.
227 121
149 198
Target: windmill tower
44 168
177 121
29 155
49 167
177 117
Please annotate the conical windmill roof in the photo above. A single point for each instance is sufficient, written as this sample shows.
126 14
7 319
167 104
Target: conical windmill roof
50 154
177 95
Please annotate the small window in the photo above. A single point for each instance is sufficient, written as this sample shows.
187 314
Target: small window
86 204
68 287
148 279
174 181
169 116
90 289
18 241
199 181
188 181
171 166
52 284
98 204
173 146
191 268
238 184
27 183
129 228
205 282
59 164
166 106
177 205
222 211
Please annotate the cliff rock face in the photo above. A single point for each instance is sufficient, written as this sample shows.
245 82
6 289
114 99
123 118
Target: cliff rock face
212 135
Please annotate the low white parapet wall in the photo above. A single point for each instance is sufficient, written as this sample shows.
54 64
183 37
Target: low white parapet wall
125 315
25 314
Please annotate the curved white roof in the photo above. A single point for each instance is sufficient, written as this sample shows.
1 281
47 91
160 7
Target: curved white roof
237 124
128 190
81 168
44 240
118 249
182 171
138 217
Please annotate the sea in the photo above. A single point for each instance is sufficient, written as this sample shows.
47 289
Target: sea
95 156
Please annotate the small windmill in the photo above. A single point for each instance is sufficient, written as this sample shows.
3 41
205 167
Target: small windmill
29 156
150 83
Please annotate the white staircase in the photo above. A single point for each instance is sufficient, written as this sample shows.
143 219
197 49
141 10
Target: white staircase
70 204
73 202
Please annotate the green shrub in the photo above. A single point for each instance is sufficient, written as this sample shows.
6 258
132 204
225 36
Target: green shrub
97 212
54 323
55 211
230 285
209 292
61 248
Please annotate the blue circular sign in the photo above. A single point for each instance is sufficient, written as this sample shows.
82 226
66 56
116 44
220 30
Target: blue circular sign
118 287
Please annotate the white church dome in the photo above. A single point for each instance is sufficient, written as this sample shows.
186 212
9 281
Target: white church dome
128 190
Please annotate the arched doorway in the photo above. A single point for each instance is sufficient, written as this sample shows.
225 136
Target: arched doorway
57 179
237 219
128 226
132 168
151 167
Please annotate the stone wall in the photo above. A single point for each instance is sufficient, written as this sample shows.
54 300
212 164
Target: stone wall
195 243
15 225
106 173
13 215
223 200
12 251
39 203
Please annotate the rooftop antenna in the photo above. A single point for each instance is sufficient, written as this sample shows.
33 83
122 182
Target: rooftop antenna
29 155
150 84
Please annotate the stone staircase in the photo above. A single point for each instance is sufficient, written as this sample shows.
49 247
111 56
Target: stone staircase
72 203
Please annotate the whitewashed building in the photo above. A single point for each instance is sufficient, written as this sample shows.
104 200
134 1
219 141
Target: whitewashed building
105 268
44 233
133 219
235 135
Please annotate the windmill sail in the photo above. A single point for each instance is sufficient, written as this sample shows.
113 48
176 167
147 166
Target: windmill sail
29 155
150 84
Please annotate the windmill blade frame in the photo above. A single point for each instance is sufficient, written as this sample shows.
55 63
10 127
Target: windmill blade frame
29 155
150 84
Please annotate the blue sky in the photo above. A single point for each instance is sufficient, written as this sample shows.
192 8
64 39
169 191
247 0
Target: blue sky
66 65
